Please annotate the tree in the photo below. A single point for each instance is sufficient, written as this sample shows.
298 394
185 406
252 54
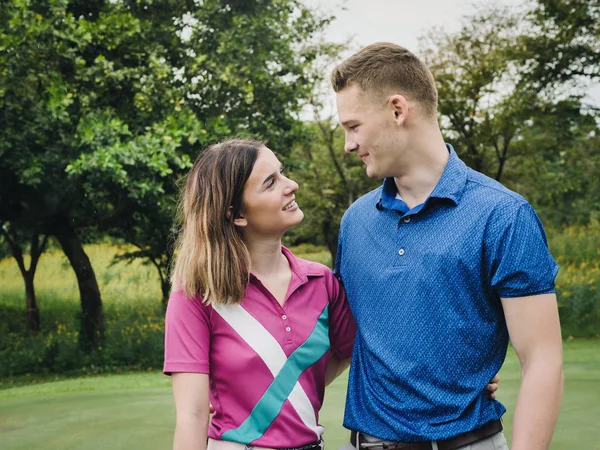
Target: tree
245 69
514 121
74 74
556 164
562 44
480 107
330 180
36 248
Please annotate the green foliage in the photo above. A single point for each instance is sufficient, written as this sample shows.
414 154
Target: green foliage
329 180
538 138
105 105
135 318
556 162
481 111
577 251
562 42
134 340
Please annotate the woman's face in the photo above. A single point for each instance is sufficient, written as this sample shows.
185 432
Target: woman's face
269 205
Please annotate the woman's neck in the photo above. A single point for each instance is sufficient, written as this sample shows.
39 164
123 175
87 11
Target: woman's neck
266 258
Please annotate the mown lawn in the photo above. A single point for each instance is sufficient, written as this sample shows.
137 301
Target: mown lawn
135 411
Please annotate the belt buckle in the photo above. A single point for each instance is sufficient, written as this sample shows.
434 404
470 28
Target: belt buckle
366 444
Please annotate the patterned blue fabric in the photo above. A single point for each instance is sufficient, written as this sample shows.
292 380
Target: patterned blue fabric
424 286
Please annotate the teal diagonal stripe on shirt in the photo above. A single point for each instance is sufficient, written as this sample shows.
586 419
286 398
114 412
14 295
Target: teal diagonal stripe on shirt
271 402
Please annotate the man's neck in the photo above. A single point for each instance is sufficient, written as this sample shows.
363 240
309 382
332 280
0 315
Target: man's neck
422 172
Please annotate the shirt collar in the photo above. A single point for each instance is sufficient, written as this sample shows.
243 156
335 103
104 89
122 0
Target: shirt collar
300 267
450 185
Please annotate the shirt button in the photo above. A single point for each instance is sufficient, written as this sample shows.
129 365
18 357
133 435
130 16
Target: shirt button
284 317
406 219
401 252
288 329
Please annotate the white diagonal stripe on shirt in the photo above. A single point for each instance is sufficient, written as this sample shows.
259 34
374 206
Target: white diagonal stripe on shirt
269 350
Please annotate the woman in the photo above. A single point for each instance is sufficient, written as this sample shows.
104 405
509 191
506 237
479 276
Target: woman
271 329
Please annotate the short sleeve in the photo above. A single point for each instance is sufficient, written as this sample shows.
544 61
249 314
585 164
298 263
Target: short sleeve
187 335
522 264
342 327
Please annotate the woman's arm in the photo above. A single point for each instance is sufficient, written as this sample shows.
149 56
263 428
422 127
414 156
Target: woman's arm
190 391
335 367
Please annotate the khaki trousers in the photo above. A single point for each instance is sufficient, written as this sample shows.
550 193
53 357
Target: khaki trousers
495 442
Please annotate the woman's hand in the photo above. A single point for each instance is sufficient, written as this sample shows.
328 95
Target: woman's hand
493 387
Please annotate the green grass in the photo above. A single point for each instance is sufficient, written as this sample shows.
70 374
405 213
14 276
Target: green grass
135 411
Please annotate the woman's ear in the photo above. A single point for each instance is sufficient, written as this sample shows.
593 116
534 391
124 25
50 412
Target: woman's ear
239 221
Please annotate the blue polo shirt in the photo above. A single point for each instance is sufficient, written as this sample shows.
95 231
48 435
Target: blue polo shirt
424 285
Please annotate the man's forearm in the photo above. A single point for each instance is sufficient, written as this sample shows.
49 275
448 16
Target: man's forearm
538 404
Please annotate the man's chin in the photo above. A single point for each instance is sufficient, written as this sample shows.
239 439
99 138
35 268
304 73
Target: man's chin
372 173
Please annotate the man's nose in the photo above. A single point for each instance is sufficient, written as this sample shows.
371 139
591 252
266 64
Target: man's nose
349 145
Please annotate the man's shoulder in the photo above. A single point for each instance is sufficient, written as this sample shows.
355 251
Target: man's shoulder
482 188
365 203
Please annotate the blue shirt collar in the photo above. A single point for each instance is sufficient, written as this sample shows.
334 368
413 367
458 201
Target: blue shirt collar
450 186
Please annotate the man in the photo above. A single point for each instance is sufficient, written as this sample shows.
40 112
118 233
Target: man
441 266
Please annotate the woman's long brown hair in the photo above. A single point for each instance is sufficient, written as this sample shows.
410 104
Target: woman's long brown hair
211 257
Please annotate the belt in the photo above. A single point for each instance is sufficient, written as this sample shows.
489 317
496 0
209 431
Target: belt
218 444
489 429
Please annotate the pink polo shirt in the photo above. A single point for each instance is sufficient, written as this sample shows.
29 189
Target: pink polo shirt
266 363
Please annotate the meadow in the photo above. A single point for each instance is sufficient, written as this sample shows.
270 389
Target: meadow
52 396
134 315
135 411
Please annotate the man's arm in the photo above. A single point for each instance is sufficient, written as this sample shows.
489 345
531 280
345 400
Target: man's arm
534 330
190 391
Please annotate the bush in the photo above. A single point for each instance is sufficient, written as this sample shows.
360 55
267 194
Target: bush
577 251
134 340
135 316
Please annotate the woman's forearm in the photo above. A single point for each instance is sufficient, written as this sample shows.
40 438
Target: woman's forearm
335 367
191 432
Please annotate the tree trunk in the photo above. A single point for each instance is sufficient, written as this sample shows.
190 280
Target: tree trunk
331 237
165 286
35 251
33 313
91 331
163 267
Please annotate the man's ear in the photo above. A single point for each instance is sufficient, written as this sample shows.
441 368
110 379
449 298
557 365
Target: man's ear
399 106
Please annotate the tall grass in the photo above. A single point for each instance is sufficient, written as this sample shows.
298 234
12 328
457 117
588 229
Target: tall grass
134 316
577 251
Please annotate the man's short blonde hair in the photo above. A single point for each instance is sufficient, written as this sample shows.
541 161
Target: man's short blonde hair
384 67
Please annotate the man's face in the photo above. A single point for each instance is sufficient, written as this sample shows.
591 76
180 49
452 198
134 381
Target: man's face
370 128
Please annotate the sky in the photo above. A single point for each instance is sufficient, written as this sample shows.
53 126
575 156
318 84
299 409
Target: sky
403 22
